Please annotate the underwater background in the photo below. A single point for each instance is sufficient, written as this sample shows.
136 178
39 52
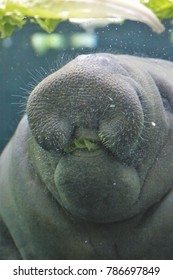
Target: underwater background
29 55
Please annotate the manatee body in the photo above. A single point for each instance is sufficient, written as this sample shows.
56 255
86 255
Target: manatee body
88 172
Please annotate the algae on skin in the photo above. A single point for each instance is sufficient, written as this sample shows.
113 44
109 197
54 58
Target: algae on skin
48 13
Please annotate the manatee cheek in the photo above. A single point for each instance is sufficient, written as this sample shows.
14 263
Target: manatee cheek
96 188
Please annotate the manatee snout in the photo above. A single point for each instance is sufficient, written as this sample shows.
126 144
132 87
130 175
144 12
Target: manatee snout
89 92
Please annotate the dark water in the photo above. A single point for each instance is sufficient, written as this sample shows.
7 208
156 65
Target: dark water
20 65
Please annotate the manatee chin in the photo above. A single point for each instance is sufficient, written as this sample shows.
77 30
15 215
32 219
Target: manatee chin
95 187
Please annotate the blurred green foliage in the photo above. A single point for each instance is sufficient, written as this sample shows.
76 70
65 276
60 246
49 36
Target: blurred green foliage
48 13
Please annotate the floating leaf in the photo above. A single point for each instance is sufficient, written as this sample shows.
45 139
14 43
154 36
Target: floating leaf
162 8
48 13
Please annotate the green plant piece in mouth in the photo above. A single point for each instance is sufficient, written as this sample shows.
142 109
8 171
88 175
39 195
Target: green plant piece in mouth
81 143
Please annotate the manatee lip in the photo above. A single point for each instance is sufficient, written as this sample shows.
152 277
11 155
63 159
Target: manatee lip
86 153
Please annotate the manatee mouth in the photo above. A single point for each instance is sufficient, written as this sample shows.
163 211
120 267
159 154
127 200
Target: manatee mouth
86 153
92 183
94 186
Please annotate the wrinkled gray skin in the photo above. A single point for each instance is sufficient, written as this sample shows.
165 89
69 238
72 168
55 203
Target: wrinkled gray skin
115 202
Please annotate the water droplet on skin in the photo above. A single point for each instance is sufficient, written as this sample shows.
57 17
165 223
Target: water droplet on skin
153 124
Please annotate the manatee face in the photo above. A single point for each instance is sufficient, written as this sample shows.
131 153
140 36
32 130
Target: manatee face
98 126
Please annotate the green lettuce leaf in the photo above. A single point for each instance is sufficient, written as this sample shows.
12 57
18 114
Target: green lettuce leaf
81 144
162 8
48 13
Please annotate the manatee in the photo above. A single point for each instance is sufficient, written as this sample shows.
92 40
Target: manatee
88 172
